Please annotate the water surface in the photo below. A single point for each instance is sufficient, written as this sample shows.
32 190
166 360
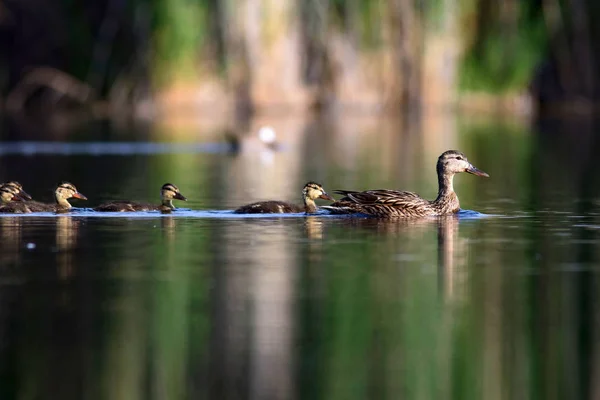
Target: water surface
497 302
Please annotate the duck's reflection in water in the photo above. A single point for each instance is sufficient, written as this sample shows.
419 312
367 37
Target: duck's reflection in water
169 226
450 248
254 316
313 228
450 253
67 229
10 241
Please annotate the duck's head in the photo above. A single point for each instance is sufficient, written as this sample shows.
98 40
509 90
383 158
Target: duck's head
18 188
454 162
313 191
66 191
168 192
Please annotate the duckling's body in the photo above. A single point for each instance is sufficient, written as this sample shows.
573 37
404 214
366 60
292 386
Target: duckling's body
386 203
168 193
310 193
126 206
62 194
270 207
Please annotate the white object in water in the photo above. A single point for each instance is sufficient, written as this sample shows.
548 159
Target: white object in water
267 135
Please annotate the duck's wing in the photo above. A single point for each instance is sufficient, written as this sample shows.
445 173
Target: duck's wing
394 198
382 203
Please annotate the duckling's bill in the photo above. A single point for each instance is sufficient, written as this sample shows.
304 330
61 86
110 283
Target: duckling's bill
80 196
23 196
179 196
325 196
20 197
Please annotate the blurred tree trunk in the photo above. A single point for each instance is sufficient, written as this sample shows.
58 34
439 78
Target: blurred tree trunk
568 77
406 25
317 60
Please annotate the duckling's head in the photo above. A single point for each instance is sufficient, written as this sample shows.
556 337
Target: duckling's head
313 191
453 162
8 194
169 192
66 191
18 189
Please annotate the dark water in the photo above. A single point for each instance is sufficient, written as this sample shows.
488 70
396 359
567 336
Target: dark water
498 302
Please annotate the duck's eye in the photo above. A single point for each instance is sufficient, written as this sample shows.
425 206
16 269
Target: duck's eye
459 158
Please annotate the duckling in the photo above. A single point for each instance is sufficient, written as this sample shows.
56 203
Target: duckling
310 193
18 188
168 192
386 203
62 194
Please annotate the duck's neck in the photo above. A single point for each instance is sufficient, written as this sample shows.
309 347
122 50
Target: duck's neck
62 203
446 200
168 203
309 205
445 183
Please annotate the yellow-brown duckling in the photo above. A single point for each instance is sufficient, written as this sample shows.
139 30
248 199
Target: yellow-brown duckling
62 194
168 193
310 193
17 188
7 195
386 203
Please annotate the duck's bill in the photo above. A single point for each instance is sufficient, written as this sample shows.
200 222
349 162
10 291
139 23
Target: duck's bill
78 195
478 172
179 196
325 196
24 195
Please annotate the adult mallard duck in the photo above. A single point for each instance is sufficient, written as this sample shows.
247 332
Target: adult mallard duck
168 192
62 194
310 193
396 204
17 188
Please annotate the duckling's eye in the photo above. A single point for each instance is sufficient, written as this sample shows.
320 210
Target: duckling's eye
459 158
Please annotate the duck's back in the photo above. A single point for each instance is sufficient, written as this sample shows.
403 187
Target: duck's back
126 206
382 203
269 207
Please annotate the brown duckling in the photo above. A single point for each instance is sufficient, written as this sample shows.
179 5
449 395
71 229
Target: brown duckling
168 192
62 194
310 193
17 188
391 204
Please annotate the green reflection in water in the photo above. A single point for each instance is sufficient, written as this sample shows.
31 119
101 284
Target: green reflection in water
170 308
